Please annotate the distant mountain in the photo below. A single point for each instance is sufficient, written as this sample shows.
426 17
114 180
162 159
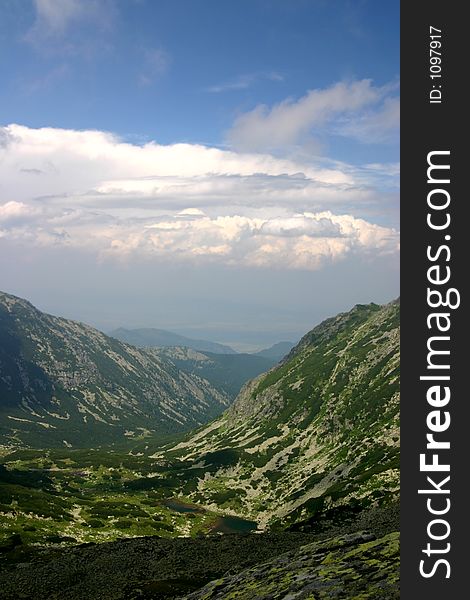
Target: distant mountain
316 439
277 351
65 383
226 372
160 338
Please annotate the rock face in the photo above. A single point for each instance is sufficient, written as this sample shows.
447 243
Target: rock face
65 383
316 435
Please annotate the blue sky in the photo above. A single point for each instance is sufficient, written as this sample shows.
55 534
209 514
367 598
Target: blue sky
183 70
262 133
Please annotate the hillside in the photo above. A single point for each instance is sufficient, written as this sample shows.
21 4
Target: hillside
226 372
160 338
317 435
65 383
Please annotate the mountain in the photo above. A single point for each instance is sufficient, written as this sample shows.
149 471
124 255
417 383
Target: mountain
316 439
159 338
226 372
277 351
65 383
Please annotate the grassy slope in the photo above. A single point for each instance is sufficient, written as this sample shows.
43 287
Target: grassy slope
316 434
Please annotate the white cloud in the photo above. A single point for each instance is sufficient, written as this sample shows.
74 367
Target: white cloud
294 121
191 212
54 16
12 212
183 202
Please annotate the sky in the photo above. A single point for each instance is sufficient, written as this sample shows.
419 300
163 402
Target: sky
227 170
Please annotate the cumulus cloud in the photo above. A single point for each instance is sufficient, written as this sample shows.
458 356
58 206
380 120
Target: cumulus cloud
13 212
295 121
185 202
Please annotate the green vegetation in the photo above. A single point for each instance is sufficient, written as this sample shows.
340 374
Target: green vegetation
309 448
316 437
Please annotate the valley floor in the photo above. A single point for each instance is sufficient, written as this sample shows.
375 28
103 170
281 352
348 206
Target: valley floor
101 525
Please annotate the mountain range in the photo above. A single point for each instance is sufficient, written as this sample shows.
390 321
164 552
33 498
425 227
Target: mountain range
226 372
277 351
160 338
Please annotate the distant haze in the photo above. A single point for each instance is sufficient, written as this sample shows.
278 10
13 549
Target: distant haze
246 309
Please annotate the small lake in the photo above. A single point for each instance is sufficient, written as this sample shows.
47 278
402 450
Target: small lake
228 524
223 524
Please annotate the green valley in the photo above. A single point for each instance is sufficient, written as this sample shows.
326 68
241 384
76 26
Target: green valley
307 454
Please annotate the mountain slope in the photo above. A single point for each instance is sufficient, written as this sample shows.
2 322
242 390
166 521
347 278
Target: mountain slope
317 435
160 338
63 382
226 372
276 351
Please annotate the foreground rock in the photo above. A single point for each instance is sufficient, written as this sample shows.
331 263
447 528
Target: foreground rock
277 565
354 566
147 567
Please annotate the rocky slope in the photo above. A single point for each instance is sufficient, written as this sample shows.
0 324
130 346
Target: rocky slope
351 566
65 383
316 436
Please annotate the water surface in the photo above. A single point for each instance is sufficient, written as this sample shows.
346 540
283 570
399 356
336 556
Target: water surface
223 524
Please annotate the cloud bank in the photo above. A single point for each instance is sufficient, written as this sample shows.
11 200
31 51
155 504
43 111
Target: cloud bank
183 202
